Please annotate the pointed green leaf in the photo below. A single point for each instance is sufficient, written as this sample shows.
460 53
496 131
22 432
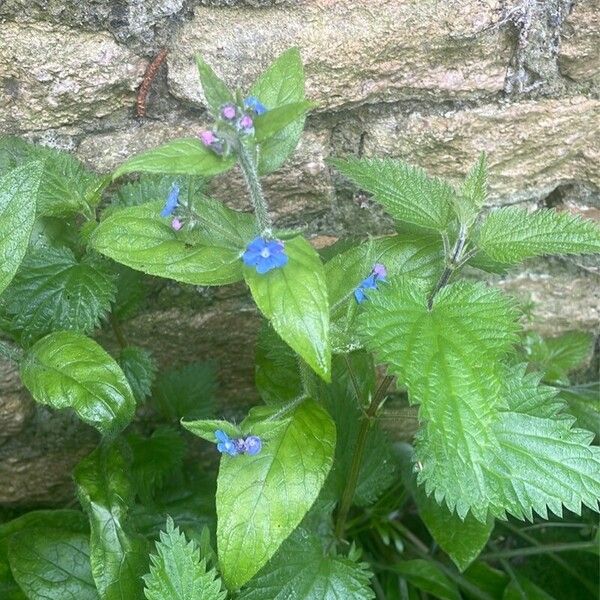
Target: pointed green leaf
18 190
177 573
584 404
427 576
473 193
69 370
140 369
511 234
273 121
186 156
294 299
303 571
139 238
118 557
205 428
261 499
516 588
214 89
407 193
53 290
282 83
52 564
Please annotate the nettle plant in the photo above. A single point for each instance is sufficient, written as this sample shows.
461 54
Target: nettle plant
310 492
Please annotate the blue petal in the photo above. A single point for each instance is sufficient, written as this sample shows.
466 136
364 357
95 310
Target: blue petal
266 264
172 201
221 436
369 283
256 245
255 104
251 258
360 295
280 260
275 246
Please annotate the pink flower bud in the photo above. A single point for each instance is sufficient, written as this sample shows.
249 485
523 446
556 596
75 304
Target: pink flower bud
380 271
228 112
208 138
176 224
246 122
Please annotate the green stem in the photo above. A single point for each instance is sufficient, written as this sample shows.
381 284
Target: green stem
510 571
261 209
357 457
545 549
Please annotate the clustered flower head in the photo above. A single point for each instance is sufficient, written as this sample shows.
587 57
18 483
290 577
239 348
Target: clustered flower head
250 445
265 255
232 119
378 274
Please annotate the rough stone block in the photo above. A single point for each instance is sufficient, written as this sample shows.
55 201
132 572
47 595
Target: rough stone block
353 52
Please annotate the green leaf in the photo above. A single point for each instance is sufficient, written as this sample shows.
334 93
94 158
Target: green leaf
407 193
261 499
139 368
215 91
473 193
51 564
186 156
282 83
511 234
118 557
150 187
187 392
516 588
205 428
17 213
131 293
155 458
294 299
584 404
427 576
139 238
177 573
69 370
446 357
302 570
461 540
276 119
55 291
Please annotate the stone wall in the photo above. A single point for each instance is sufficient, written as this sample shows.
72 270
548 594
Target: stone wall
433 82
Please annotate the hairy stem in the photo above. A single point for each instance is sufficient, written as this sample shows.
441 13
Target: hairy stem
250 171
357 457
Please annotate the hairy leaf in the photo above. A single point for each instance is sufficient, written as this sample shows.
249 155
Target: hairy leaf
427 576
407 193
276 119
176 571
52 564
131 292
186 156
69 370
139 368
18 190
118 557
261 499
215 91
55 291
302 570
282 83
473 193
584 404
139 238
151 187
511 234
294 299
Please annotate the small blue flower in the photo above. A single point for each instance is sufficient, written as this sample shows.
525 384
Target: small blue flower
225 445
253 103
265 255
252 445
171 203
370 283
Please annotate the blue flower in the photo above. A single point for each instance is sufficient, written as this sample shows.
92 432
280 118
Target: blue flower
252 445
265 255
370 283
225 445
253 103
171 203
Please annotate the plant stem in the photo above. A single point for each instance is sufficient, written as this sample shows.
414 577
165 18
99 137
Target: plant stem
531 550
510 571
357 457
250 171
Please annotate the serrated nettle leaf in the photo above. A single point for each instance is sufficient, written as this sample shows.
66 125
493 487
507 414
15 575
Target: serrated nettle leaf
473 193
406 193
294 299
140 238
131 292
186 392
261 499
461 540
428 576
52 564
214 89
178 573
512 234
282 83
303 570
150 187
584 404
276 119
18 190
69 370
140 370
186 156
118 557
54 291
205 428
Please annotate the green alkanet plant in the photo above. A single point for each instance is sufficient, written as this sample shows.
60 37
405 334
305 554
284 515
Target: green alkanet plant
311 497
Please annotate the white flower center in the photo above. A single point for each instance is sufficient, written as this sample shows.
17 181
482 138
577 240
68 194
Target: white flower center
265 253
